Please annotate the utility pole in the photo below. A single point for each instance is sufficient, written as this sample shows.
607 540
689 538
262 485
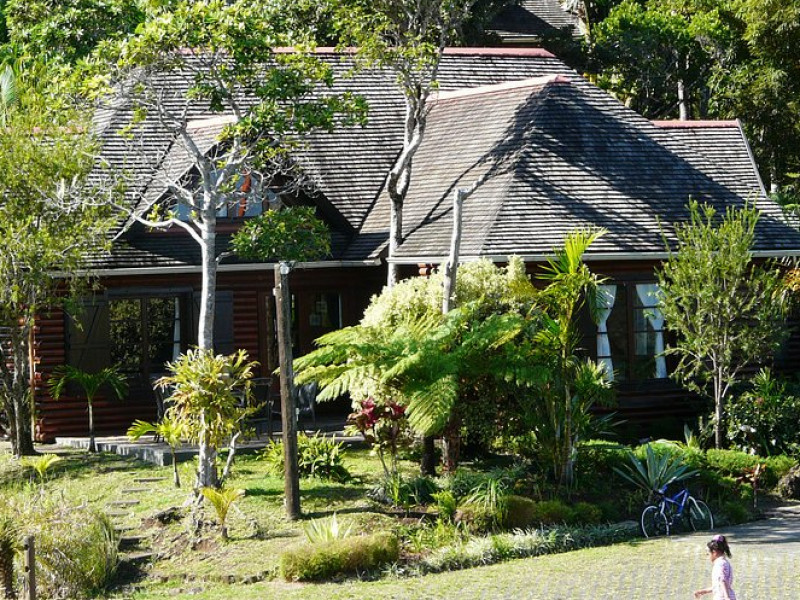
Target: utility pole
288 411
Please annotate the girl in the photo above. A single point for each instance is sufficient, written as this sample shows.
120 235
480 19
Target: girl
721 571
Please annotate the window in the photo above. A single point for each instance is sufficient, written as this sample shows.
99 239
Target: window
630 332
146 333
248 200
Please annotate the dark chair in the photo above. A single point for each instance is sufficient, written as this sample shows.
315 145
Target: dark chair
262 398
305 399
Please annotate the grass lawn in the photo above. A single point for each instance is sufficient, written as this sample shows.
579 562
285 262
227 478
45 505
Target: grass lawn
257 528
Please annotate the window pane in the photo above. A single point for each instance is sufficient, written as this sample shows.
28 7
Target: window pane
618 334
161 319
125 320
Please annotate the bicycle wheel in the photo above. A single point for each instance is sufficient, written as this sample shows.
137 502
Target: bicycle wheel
700 517
654 522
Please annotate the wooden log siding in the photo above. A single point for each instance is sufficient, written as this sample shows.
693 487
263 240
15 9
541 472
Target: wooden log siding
246 323
69 416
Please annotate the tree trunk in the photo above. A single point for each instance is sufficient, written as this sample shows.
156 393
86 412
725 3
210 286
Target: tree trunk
92 443
683 103
451 269
288 413
395 237
176 478
428 463
451 439
207 454
20 421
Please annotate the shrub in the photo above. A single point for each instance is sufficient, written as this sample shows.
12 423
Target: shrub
764 419
585 513
346 556
520 513
735 512
76 548
317 456
447 504
553 512
736 463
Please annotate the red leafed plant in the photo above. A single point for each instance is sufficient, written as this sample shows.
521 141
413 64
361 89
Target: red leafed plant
384 426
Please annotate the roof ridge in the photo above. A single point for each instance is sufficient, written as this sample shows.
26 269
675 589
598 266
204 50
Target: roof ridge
505 86
698 124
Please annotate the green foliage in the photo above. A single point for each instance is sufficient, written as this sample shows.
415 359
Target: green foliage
222 500
207 392
169 430
317 456
403 492
325 530
735 512
41 464
764 419
67 30
656 472
347 556
446 504
292 234
735 463
479 551
490 497
710 277
520 513
9 545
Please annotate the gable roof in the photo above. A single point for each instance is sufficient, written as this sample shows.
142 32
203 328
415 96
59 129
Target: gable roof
528 21
564 155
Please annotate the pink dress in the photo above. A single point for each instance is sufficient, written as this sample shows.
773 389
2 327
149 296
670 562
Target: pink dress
722 575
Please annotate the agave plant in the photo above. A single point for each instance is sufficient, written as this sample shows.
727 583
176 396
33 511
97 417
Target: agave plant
168 430
222 500
325 530
41 464
91 383
656 472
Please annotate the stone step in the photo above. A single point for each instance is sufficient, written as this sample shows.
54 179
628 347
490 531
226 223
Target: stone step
137 557
148 479
135 490
122 503
117 513
131 541
122 529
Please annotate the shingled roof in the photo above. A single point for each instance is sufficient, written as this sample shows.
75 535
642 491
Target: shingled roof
563 155
529 21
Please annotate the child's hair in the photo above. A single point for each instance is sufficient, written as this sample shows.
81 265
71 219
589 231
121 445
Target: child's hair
720 544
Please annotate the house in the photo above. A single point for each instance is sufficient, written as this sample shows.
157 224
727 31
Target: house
530 22
556 154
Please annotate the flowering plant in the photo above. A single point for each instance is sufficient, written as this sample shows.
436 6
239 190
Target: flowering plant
384 426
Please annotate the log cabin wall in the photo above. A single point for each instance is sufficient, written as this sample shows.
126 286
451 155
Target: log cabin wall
249 293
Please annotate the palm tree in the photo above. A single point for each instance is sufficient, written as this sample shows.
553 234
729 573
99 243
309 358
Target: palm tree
222 500
167 429
91 383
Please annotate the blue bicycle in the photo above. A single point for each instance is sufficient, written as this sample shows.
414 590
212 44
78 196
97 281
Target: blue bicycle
668 511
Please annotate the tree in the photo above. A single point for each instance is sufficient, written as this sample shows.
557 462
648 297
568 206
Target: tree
48 225
221 53
726 311
572 384
91 384
409 38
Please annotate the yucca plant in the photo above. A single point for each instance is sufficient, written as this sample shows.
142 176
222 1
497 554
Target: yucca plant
655 472
9 545
91 384
222 500
41 464
168 430
325 530
491 495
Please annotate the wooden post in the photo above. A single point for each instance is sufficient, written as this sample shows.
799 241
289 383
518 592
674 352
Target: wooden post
288 412
30 567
